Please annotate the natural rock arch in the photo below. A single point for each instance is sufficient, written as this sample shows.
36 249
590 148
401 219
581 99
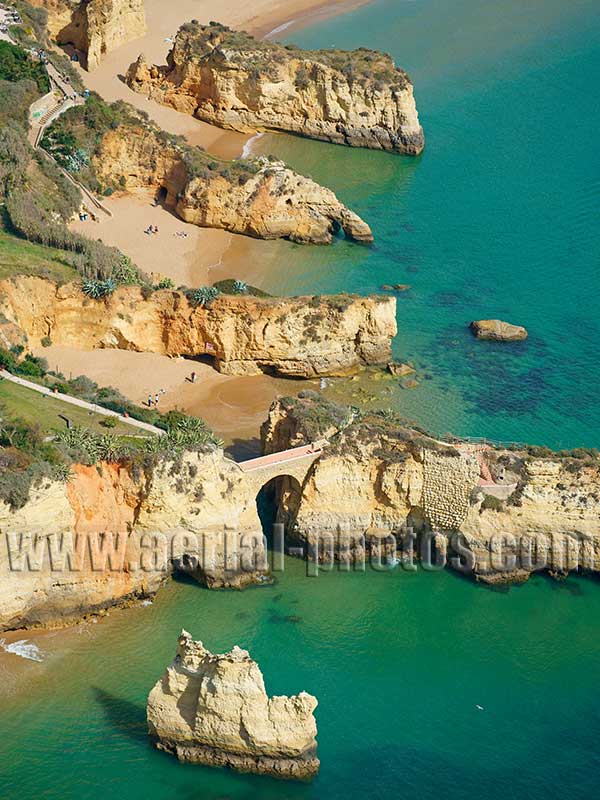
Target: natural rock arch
277 501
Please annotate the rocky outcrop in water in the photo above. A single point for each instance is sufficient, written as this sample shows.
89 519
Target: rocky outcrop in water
94 27
498 331
214 709
297 337
496 513
358 98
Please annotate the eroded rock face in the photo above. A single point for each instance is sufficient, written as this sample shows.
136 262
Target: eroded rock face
357 98
214 709
94 27
498 331
297 337
199 511
505 513
259 198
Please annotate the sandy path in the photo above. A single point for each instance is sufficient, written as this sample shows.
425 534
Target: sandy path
234 407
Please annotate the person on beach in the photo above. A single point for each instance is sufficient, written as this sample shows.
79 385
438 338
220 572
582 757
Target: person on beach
149 401
156 399
193 377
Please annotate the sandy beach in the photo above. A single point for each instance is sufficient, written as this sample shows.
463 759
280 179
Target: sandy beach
234 407
201 255
189 255
185 253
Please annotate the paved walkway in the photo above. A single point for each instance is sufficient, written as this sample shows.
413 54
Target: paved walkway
306 451
75 401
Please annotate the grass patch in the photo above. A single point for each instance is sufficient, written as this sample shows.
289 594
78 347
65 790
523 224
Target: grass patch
20 257
37 409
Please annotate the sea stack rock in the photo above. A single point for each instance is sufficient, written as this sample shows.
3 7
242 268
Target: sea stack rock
498 331
213 709
358 98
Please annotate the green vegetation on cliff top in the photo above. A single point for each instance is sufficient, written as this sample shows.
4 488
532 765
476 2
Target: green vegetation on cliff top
361 66
75 139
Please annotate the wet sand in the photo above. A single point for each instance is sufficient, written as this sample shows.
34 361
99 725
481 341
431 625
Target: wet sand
233 406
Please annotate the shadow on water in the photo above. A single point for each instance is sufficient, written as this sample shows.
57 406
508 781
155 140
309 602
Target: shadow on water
126 717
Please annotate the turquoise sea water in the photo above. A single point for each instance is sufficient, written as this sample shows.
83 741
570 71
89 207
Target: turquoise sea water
398 661
496 218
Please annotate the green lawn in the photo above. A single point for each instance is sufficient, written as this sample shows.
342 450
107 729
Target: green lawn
28 405
18 256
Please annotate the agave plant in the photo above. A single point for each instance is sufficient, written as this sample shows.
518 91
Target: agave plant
240 287
98 289
203 296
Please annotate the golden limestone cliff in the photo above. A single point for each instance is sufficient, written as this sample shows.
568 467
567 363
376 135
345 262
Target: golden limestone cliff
298 337
257 197
197 514
358 98
94 27
499 514
214 709
260 197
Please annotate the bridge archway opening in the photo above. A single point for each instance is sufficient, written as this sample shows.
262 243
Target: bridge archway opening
278 501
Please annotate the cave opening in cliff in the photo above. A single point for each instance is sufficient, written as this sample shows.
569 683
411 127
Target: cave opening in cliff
278 502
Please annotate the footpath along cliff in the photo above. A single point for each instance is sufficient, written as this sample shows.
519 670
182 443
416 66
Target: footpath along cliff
112 147
496 514
358 98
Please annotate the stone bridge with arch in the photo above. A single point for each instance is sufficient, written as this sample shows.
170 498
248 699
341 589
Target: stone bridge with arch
294 463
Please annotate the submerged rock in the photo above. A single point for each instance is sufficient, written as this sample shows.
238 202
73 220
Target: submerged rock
399 370
213 709
497 330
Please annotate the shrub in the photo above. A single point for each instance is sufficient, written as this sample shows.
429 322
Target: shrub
164 283
109 422
16 64
46 341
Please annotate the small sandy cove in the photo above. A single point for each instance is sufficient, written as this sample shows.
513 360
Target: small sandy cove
201 255
234 407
